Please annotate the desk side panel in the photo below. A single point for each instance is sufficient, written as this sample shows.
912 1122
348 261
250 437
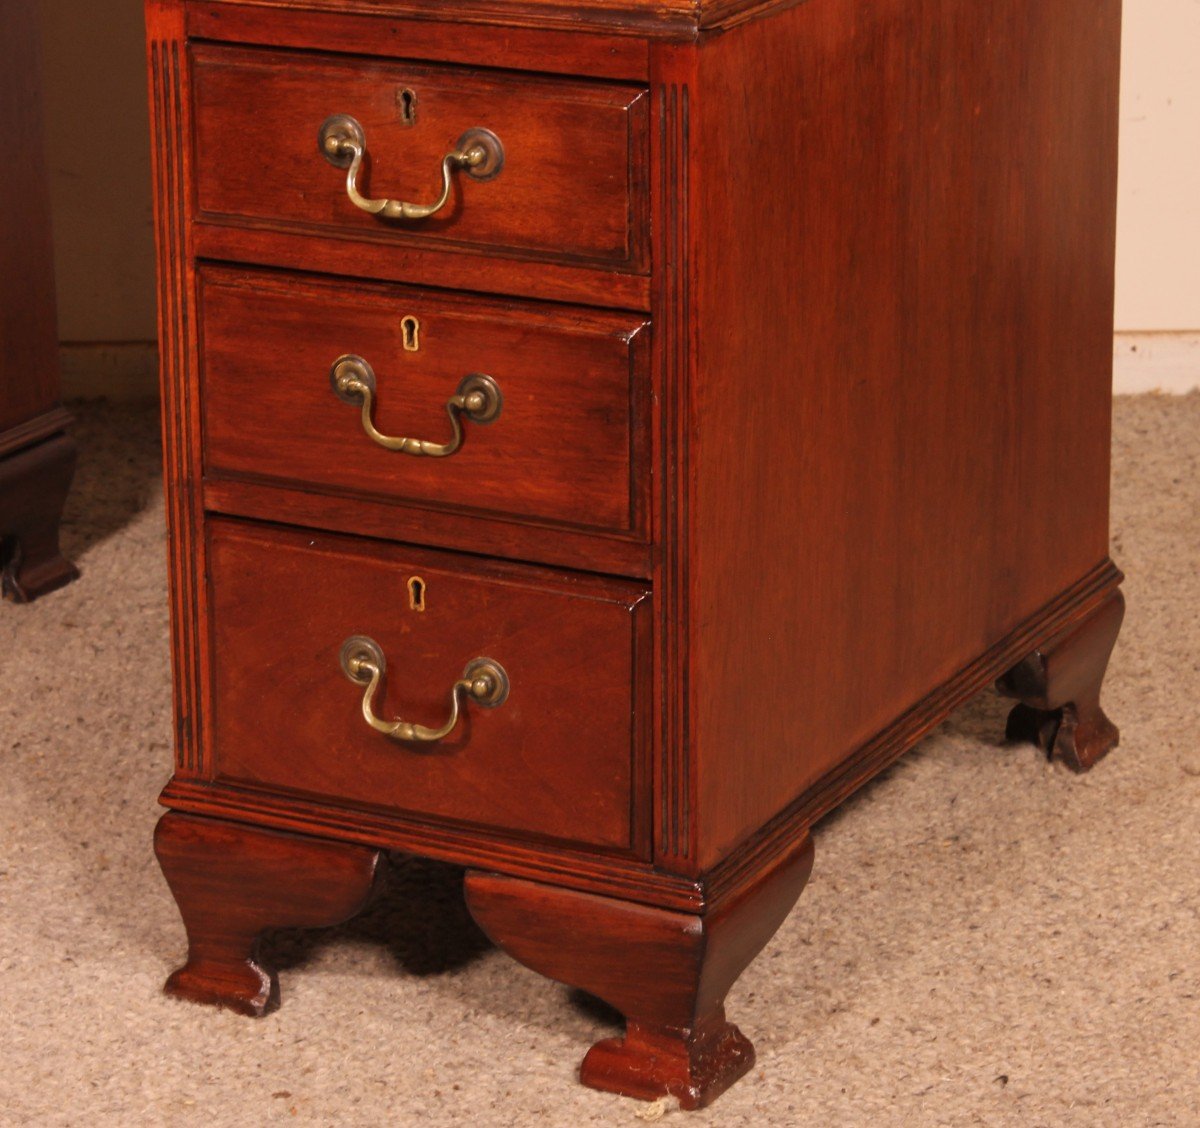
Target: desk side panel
901 413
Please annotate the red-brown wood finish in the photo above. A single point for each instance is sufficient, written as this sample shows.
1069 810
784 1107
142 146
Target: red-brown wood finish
34 482
37 460
667 972
171 166
802 313
569 187
381 30
562 757
417 262
488 534
1058 689
642 18
232 882
924 317
562 450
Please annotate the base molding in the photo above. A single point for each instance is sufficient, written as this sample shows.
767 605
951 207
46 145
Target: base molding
115 370
1075 604
613 876
1156 362
629 879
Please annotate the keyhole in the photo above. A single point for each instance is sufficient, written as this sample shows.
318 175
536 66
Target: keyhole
416 593
406 99
411 328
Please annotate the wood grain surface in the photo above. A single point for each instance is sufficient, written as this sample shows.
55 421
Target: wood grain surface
569 188
232 882
807 330
569 445
374 30
564 757
655 19
668 973
903 451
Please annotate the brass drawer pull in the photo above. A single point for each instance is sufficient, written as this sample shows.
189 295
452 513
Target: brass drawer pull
483 681
478 398
343 143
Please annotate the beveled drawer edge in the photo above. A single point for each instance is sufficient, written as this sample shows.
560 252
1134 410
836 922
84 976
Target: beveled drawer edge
572 52
828 792
586 318
294 229
630 591
446 268
460 530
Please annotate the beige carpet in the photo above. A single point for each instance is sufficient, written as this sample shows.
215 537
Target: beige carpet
986 939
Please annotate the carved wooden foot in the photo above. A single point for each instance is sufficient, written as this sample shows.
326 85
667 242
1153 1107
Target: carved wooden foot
33 490
667 972
1058 687
233 881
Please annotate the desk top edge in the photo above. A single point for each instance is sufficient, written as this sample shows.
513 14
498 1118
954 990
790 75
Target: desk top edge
647 18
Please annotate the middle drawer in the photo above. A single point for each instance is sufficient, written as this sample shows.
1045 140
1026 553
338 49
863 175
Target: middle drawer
556 434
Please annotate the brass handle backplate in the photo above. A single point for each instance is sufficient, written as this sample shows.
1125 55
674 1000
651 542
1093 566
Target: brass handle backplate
477 397
483 681
343 143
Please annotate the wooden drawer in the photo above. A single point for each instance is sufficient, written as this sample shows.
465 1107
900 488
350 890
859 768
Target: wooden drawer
567 446
564 756
572 187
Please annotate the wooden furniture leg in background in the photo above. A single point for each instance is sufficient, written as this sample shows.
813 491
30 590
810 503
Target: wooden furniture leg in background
33 489
233 881
667 972
1058 689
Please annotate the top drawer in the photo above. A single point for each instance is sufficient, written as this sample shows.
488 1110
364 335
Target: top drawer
571 187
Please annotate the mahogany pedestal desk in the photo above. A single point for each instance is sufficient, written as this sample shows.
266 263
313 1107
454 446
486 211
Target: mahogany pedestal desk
600 437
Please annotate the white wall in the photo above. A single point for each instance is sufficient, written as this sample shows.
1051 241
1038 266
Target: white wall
1158 214
98 153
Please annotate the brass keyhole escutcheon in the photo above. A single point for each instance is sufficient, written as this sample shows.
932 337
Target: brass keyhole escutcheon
406 103
416 593
410 329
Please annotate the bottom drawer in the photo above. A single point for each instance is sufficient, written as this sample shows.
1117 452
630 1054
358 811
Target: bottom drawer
560 756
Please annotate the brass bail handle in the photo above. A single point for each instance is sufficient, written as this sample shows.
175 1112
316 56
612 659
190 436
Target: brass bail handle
477 397
483 682
343 143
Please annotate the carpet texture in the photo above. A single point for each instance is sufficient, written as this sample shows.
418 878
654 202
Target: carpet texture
986 939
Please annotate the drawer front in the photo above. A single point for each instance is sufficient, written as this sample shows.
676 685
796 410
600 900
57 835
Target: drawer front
572 186
561 757
567 443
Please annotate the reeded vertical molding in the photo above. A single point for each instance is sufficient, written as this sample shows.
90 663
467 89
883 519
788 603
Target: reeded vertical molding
168 85
674 831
